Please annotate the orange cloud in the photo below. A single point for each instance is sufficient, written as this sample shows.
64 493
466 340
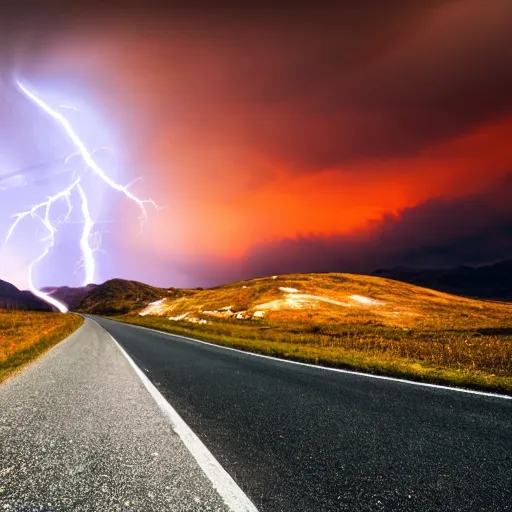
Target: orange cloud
220 206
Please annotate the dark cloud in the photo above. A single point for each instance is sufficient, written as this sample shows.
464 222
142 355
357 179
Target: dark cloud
440 74
312 86
440 232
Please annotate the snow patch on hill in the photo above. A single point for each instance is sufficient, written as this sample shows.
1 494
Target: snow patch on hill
366 300
158 307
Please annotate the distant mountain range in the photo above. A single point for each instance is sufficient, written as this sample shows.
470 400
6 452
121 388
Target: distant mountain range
115 296
118 296
487 282
12 298
71 297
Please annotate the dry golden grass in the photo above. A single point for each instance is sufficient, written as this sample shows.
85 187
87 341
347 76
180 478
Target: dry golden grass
24 336
415 332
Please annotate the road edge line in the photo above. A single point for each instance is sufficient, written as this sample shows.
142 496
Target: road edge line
339 370
234 498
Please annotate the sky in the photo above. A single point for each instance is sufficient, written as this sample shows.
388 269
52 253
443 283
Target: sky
272 139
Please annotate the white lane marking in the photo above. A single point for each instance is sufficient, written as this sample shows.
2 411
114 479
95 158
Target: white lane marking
233 496
339 370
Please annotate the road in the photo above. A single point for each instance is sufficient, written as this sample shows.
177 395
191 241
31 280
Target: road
299 438
81 429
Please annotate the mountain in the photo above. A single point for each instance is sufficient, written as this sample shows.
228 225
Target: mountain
486 282
118 296
12 298
69 296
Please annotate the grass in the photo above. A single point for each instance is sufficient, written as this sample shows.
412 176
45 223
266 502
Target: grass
415 333
24 336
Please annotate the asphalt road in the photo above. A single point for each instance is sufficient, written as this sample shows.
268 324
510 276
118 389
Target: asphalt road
298 438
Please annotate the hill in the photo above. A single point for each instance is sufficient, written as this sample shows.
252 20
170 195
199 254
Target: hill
362 322
13 298
329 298
69 296
490 282
119 296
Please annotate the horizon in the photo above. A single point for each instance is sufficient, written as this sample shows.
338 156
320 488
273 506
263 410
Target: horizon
374 273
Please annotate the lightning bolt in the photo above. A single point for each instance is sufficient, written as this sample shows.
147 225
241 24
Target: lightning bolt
87 251
81 148
42 211
49 238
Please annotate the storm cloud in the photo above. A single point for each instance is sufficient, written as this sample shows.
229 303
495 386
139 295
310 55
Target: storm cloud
342 138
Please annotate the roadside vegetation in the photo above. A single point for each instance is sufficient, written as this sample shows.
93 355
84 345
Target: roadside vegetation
371 324
26 335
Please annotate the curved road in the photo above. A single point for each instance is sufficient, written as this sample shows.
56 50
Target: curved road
300 438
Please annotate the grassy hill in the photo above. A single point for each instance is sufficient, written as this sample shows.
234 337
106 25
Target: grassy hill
361 322
119 296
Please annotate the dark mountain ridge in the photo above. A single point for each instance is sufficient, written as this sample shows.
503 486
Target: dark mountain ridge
68 295
486 282
13 298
